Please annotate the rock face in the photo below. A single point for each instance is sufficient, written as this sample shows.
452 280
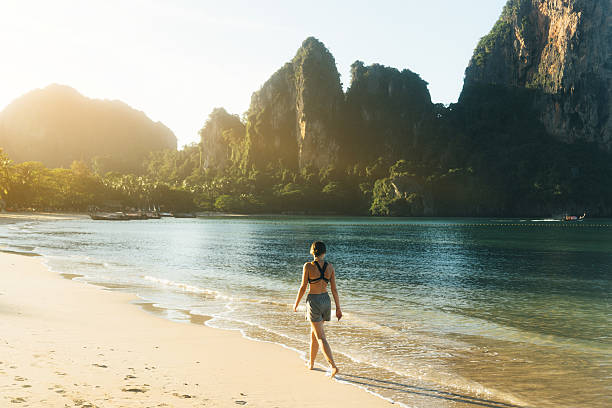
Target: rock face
301 116
562 49
57 125
221 139
294 117
386 109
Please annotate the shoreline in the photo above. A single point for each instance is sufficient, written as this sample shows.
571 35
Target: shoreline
55 215
66 342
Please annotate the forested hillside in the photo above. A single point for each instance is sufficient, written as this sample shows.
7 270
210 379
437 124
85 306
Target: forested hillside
57 125
529 135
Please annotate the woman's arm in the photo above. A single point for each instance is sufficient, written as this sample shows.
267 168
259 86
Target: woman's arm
334 290
302 290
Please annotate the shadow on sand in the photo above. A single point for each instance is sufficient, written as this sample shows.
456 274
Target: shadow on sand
421 391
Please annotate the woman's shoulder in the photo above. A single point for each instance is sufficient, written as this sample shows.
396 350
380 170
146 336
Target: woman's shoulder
311 264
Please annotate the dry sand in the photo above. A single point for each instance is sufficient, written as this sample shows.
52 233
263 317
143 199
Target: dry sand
64 343
11 217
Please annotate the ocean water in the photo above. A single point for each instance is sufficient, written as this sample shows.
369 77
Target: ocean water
437 312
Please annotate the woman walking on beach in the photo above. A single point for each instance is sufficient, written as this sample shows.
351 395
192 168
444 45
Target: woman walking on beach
318 274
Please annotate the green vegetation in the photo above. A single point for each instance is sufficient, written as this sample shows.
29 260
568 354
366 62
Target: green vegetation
517 167
501 34
32 186
388 113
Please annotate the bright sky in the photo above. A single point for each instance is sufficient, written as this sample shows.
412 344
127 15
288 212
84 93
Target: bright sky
176 60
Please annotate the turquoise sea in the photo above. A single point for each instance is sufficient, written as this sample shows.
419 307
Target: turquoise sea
438 312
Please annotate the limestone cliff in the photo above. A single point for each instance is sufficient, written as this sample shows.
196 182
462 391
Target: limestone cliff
294 117
57 125
386 110
221 139
562 50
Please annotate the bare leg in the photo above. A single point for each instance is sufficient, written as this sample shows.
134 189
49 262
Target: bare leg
314 348
320 333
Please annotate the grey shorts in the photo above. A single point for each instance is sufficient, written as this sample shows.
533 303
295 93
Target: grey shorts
318 307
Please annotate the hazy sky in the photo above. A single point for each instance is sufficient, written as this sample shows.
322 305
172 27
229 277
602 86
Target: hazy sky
176 60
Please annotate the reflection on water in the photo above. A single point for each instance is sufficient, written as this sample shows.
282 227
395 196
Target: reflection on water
437 312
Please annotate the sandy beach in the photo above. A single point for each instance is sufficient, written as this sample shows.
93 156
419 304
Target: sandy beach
64 343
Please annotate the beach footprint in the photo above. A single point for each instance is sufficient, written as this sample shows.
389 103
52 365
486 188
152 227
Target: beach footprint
83 404
58 389
184 396
18 400
134 390
241 402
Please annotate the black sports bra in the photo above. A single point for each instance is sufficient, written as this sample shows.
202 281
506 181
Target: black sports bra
322 270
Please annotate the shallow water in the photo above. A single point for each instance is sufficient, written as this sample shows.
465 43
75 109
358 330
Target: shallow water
437 311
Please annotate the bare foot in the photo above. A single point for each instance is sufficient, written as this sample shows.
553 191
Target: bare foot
310 366
334 372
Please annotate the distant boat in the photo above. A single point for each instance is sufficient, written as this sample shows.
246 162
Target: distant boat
138 215
116 216
184 215
573 218
122 216
166 214
153 215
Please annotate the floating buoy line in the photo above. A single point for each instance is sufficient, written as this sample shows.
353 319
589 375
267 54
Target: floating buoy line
559 224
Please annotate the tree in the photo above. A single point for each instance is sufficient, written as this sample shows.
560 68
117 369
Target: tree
5 167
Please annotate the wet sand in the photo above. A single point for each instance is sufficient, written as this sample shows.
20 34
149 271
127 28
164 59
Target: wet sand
12 217
66 343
